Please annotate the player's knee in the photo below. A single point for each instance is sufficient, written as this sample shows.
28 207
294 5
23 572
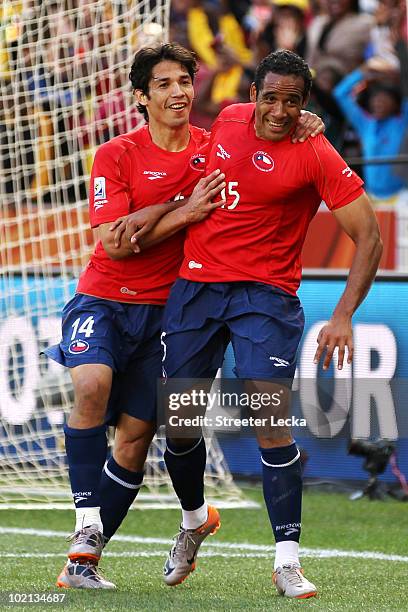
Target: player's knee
91 397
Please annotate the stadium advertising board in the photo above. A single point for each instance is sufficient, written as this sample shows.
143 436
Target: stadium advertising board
366 400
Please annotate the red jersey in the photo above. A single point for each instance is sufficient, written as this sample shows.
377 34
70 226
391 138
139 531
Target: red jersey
129 173
273 191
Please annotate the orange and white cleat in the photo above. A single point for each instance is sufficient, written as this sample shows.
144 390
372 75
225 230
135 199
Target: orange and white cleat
86 544
82 575
182 557
290 582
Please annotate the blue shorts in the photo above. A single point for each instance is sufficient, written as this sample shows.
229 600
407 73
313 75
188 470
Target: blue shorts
125 337
263 323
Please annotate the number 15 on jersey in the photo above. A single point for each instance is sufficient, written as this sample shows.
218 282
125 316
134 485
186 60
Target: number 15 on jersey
230 190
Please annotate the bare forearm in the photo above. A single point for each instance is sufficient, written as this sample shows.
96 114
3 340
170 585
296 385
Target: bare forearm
197 207
170 224
116 241
361 275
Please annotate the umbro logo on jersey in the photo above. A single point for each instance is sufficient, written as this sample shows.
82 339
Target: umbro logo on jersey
263 161
152 176
278 362
193 264
222 153
347 171
99 188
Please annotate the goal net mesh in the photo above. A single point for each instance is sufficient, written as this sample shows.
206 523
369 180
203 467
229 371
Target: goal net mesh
64 89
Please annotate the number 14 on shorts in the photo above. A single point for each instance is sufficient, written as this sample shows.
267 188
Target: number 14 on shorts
86 327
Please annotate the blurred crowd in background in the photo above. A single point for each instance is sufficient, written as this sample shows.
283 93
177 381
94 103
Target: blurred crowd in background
357 51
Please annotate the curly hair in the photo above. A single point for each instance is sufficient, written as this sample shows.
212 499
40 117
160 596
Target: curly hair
148 57
285 63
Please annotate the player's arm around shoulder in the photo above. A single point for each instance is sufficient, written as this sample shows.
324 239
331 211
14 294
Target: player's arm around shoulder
307 125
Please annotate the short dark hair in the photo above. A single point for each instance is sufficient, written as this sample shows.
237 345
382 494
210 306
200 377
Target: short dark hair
286 63
148 57
391 89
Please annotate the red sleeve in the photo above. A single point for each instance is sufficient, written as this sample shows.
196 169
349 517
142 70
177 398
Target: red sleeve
109 186
335 182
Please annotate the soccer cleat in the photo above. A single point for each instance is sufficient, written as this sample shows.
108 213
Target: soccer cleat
290 582
87 544
82 575
182 557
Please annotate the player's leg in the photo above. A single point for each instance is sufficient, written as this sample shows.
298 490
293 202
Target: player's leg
265 341
86 448
122 476
90 339
85 440
194 345
133 410
282 486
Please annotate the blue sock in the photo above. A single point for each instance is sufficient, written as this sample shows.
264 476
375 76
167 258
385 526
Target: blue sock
118 490
86 452
282 489
186 466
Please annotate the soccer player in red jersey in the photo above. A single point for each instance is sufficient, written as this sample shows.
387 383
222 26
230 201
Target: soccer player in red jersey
111 327
239 278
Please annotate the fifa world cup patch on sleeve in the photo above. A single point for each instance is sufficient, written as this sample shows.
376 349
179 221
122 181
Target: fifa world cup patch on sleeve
99 188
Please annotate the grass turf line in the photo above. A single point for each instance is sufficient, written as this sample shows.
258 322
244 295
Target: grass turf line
329 521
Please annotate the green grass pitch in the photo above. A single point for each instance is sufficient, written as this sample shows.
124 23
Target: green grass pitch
355 552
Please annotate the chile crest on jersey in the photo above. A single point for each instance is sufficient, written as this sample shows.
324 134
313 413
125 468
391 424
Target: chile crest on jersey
197 162
263 161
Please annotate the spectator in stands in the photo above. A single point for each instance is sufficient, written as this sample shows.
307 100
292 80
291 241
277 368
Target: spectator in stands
285 29
208 103
401 49
381 41
382 127
342 34
178 22
324 103
254 22
210 28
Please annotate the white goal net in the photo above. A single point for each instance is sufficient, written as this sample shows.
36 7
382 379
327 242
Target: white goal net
64 90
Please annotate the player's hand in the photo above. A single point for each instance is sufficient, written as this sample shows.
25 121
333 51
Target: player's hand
308 124
135 225
338 332
200 202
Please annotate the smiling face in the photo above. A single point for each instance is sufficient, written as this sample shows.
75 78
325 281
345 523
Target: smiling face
170 95
277 105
